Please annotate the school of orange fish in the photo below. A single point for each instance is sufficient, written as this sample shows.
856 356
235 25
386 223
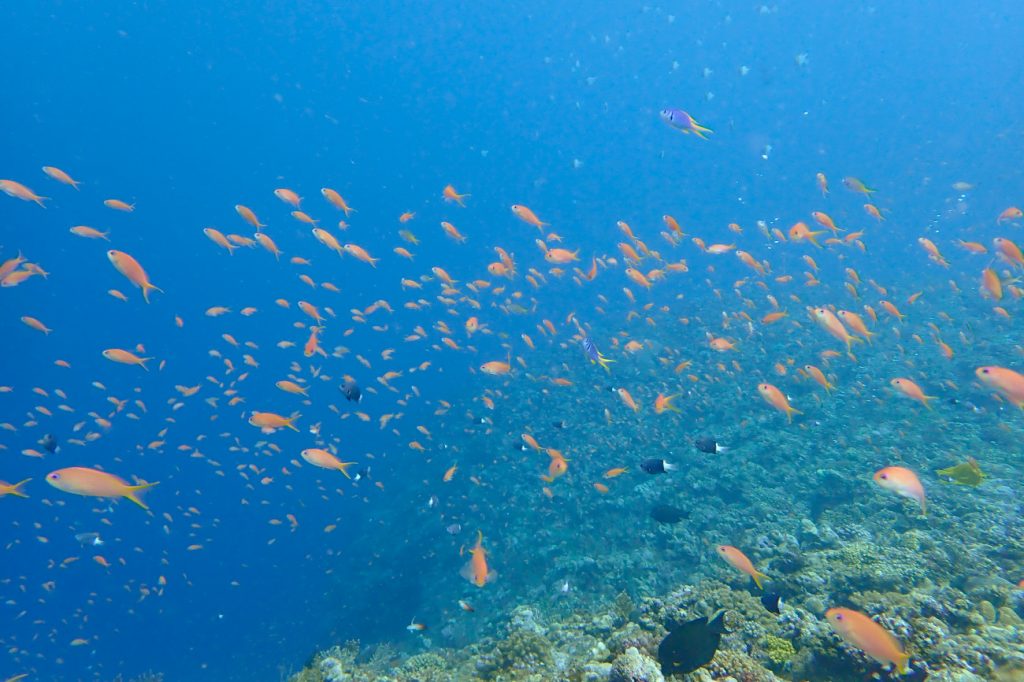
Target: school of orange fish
831 308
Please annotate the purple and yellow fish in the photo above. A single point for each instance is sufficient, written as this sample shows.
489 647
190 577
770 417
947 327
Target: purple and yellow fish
680 120
594 355
854 185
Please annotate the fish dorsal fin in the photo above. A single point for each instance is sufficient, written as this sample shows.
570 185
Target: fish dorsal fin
717 624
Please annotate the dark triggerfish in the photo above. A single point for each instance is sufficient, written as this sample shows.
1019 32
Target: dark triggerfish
690 646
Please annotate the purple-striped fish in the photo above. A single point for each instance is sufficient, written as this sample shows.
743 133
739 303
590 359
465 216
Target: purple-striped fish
593 354
682 121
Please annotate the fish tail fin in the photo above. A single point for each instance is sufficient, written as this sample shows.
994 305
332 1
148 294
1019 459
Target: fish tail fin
790 411
290 422
142 363
133 490
39 200
147 287
343 468
699 130
903 664
16 488
757 576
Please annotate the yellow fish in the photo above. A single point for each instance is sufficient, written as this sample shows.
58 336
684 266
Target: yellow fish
964 473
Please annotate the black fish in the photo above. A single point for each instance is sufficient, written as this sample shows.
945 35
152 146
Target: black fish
709 445
690 646
666 513
657 466
361 474
352 391
772 602
49 443
558 424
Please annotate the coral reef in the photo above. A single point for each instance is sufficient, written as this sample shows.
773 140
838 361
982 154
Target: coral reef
950 634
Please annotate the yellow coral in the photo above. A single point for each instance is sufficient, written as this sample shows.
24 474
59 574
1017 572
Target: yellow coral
779 650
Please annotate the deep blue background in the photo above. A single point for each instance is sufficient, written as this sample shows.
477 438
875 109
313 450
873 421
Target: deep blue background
189 108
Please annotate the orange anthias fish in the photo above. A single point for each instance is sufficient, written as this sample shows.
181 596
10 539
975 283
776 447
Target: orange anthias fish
451 195
1012 213
13 488
288 196
325 460
827 320
856 323
336 200
1008 383
20 191
627 399
561 256
528 216
476 570
269 420
496 367
60 176
860 631
130 268
819 377
740 562
557 467
800 232
912 391
1009 251
360 253
777 399
450 473
663 403
125 357
825 220
991 283
248 216
119 205
95 483
933 251
903 482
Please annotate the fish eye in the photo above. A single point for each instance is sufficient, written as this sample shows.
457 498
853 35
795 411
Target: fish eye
885 476
54 476
839 616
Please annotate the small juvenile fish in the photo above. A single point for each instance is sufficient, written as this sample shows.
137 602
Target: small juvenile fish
683 122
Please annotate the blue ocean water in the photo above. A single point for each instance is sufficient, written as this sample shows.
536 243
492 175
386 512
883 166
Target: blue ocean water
186 109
